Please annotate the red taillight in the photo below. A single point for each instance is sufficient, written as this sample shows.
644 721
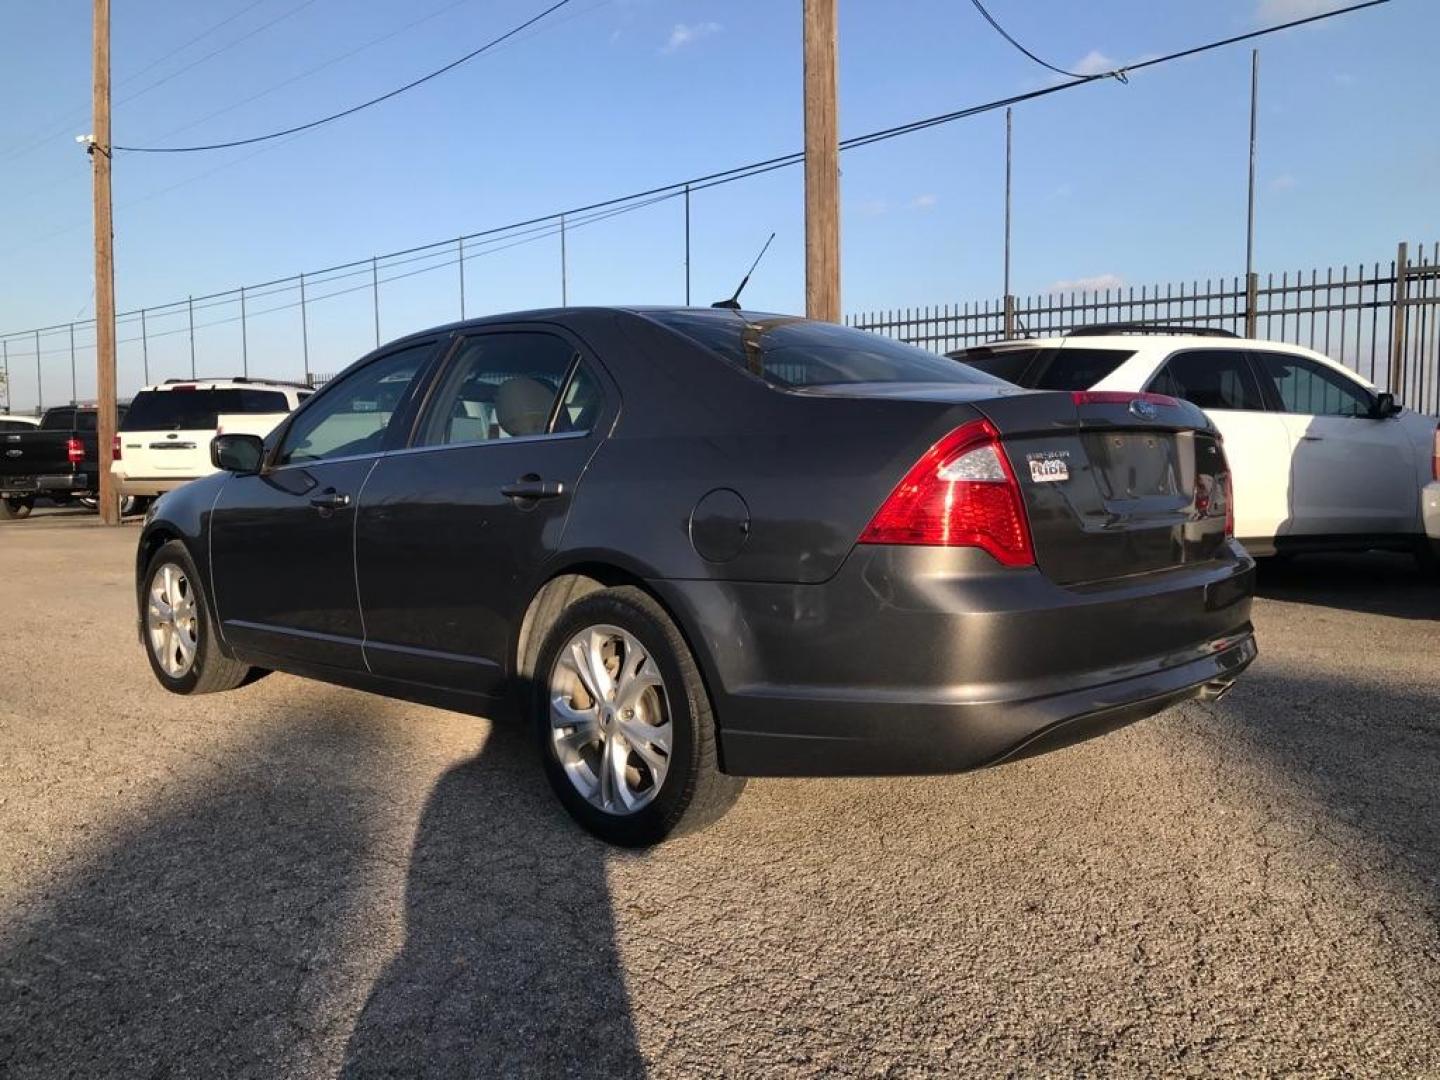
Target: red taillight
1435 457
74 450
115 449
1119 397
961 493
1229 504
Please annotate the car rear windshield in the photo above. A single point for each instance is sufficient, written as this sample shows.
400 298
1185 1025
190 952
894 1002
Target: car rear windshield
789 353
1048 368
178 410
68 420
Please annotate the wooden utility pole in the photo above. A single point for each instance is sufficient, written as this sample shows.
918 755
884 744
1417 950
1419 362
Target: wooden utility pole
822 164
105 402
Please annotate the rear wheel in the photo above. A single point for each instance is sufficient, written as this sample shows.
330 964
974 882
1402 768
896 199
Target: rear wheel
129 504
179 639
624 722
16 506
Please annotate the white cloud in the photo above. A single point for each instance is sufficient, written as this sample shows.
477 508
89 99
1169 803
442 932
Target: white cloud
689 33
927 201
1094 62
1097 283
1269 12
873 207
1284 182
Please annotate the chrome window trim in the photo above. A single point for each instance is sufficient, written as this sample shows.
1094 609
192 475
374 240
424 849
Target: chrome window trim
405 450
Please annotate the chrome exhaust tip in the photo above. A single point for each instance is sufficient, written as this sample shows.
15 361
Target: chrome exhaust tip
1215 689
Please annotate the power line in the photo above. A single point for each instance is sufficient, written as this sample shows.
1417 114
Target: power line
1117 74
80 116
288 13
354 108
757 168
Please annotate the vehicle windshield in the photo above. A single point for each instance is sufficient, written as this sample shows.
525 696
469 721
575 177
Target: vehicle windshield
175 410
791 353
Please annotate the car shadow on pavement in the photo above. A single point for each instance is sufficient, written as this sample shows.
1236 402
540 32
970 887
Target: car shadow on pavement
1365 753
237 927
1375 583
509 966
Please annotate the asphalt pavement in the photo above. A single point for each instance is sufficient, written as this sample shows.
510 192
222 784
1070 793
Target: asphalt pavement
298 880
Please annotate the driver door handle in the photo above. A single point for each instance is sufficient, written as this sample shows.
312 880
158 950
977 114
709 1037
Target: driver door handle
532 487
330 499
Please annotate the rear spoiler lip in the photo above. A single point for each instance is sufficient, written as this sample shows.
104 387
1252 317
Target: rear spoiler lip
1175 416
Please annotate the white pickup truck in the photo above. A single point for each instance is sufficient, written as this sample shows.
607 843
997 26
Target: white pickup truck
164 440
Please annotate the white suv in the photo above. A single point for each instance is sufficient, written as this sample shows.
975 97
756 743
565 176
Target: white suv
164 440
1322 460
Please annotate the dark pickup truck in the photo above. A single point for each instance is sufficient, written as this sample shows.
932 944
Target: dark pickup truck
60 460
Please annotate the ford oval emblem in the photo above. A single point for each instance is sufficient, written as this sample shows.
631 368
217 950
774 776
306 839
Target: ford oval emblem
1143 409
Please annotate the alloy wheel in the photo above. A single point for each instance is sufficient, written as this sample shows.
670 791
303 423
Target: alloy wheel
172 621
610 719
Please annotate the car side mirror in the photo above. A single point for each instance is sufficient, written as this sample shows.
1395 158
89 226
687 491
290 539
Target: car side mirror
237 453
1384 408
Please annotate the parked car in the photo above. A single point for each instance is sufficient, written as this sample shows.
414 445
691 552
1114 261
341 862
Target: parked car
1323 460
702 545
165 439
58 459
9 422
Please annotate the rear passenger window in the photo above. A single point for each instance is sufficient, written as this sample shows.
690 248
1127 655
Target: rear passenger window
505 386
1211 379
1311 389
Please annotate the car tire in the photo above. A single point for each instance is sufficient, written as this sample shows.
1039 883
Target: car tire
16 507
655 723
186 659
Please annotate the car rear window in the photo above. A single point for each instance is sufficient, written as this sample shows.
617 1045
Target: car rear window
790 353
1067 368
176 410
1009 364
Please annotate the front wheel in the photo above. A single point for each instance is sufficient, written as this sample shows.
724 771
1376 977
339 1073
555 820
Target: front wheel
16 506
624 722
179 638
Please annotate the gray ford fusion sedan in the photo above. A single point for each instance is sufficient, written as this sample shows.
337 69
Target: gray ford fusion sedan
695 546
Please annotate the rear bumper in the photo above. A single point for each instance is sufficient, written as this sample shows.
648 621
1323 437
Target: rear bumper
927 660
75 483
149 486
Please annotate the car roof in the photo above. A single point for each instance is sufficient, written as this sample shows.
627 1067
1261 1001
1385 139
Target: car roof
1134 342
227 382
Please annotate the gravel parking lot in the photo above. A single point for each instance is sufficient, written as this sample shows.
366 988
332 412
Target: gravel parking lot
299 880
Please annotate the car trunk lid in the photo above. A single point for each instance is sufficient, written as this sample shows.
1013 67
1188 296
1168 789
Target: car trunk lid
1114 484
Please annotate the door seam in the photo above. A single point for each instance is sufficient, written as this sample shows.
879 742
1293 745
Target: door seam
355 562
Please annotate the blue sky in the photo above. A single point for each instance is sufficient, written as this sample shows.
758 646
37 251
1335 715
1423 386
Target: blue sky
1113 183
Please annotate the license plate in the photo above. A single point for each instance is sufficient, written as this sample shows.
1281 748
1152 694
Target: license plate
1049 470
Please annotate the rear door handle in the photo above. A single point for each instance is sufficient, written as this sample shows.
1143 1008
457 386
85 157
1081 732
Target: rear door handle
1312 438
330 499
532 487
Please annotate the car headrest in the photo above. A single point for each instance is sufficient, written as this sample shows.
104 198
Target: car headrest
522 405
